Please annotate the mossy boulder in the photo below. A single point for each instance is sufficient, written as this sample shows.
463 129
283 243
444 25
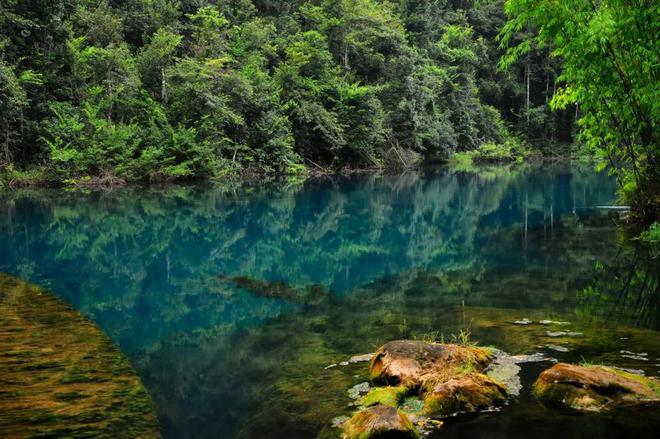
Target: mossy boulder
413 362
449 378
379 421
593 389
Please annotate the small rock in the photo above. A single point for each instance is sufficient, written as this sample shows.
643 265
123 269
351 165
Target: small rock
537 357
336 422
635 357
553 322
361 358
344 363
330 366
641 354
358 389
557 348
524 321
634 371
555 333
574 334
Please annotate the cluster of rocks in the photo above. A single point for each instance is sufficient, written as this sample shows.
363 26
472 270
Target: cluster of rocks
415 385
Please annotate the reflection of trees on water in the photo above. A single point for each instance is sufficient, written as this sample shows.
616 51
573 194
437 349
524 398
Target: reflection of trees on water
153 255
627 290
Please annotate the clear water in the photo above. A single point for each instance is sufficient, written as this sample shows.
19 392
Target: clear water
419 255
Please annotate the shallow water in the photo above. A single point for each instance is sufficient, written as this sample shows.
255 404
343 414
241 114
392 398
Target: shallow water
420 255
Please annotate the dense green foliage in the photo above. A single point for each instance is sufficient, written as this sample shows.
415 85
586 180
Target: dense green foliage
171 89
610 51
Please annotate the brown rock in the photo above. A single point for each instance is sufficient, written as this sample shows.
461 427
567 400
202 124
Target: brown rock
593 388
412 362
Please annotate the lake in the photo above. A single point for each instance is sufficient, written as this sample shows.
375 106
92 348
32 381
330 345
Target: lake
232 301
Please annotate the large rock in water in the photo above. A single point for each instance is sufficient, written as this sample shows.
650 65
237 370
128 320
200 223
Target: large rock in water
593 388
412 362
448 377
379 421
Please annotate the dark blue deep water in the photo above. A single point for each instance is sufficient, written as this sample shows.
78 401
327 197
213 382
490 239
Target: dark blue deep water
426 253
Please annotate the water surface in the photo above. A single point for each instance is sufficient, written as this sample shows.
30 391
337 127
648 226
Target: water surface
419 255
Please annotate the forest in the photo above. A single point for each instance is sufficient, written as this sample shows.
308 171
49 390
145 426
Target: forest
109 91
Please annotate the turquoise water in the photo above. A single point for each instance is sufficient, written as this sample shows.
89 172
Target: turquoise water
422 254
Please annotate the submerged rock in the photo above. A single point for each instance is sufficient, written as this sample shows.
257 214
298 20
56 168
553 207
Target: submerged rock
61 376
557 348
593 388
379 421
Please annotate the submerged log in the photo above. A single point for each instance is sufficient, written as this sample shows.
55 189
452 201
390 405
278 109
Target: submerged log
311 295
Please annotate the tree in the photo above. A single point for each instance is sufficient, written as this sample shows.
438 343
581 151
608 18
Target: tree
610 52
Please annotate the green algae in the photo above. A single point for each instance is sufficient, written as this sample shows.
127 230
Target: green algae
62 377
389 395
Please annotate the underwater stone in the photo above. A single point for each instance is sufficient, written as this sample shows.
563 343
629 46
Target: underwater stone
63 376
592 389
557 348
379 421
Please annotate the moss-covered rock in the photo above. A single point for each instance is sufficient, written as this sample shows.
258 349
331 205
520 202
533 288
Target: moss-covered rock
413 362
448 377
468 392
379 421
61 376
593 388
